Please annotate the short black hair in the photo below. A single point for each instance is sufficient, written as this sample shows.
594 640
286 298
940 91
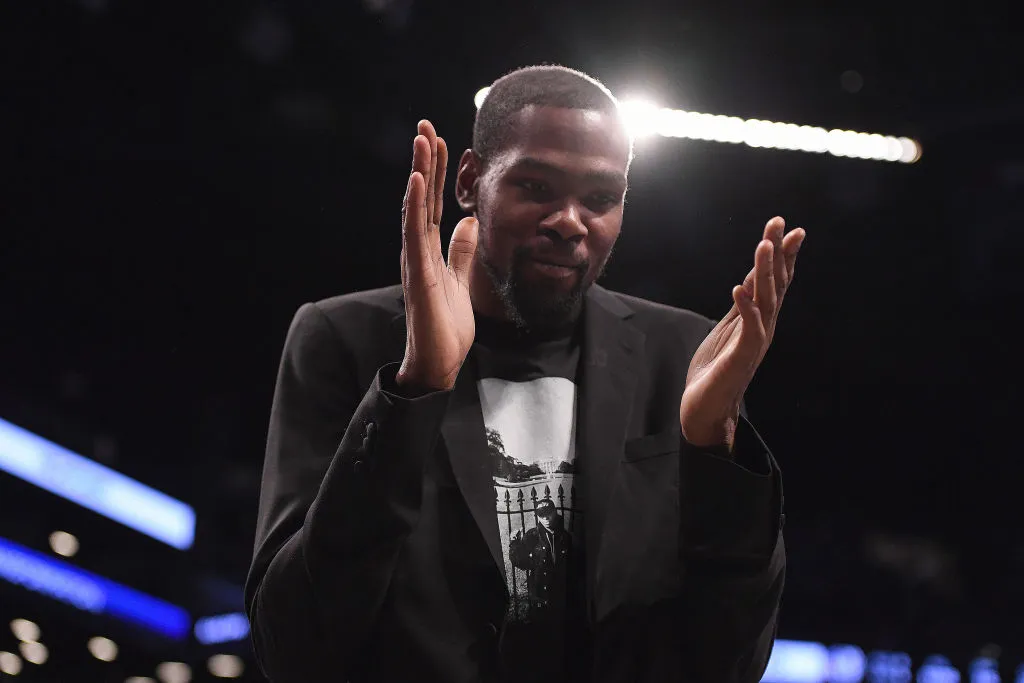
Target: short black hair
546 85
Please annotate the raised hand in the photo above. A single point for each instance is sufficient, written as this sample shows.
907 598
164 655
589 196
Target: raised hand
439 314
726 361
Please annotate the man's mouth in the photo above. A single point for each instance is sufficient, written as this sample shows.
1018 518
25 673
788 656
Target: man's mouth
559 263
554 271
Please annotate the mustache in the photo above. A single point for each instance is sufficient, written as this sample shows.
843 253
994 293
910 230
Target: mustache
565 258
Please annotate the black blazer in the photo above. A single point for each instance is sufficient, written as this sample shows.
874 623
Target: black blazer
377 553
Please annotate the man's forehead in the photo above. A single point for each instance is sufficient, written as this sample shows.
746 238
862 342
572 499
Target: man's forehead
595 169
586 131
570 141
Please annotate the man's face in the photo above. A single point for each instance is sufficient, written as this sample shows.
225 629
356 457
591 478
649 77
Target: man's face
550 210
547 521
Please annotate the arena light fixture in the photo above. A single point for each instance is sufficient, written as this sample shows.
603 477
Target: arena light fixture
63 543
646 119
221 628
174 672
103 649
10 663
24 630
90 592
96 487
226 666
36 653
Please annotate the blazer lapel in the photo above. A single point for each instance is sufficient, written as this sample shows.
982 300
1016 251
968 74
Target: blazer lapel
465 439
612 349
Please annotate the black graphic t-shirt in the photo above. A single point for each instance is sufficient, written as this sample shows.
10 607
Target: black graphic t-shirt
527 387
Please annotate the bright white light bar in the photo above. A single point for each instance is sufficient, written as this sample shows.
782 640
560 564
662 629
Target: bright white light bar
646 119
95 487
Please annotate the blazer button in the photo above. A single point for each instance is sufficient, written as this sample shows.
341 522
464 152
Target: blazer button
357 466
368 434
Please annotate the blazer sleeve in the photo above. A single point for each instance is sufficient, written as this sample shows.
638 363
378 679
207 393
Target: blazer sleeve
734 557
341 490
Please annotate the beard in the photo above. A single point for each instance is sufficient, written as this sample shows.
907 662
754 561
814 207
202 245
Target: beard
531 305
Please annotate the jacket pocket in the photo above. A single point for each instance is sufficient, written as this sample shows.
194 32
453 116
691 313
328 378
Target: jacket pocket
653 445
639 556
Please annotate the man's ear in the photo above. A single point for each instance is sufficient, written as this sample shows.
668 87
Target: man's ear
466 181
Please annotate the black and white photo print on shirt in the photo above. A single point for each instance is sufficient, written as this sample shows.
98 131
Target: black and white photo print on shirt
531 442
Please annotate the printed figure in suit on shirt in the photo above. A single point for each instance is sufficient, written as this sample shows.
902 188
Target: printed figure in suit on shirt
543 552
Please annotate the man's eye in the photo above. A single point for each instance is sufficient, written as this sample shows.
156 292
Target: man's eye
534 187
603 200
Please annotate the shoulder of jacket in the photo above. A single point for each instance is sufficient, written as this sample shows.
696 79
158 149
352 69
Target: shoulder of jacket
383 299
650 313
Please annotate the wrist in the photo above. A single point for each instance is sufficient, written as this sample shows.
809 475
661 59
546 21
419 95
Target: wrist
717 433
413 383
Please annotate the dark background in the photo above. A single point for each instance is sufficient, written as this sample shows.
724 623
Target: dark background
177 178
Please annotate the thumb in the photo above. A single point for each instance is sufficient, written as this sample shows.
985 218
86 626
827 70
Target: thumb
462 248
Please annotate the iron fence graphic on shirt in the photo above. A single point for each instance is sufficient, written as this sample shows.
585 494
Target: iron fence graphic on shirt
529 576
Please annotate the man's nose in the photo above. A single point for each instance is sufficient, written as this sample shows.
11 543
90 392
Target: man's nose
566 222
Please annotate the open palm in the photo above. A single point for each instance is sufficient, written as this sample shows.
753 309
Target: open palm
439 313
726 361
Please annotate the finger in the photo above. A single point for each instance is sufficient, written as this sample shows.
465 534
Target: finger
405 217
414 238
748 281
426 129
739 358
774 230
423 164
790 247
764 281
753 332
748 285
462 249
440 172
402 266
428 198
421 156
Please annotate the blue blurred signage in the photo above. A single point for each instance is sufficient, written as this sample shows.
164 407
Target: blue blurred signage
937 669
797 661
90 592
223 628
95 487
